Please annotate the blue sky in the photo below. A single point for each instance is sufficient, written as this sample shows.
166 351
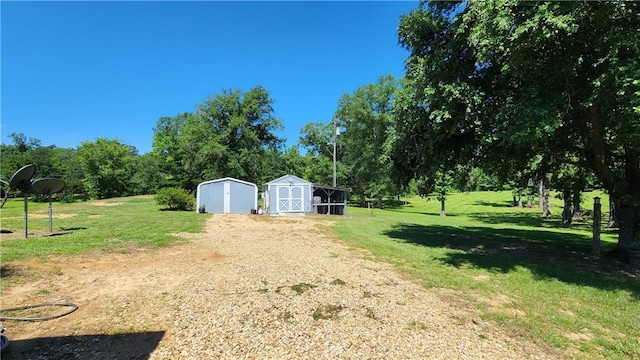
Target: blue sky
76 71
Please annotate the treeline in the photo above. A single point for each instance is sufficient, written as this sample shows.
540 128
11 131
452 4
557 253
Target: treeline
233 134
230 134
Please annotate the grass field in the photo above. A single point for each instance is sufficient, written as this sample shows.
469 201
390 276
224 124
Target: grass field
531 275
113 224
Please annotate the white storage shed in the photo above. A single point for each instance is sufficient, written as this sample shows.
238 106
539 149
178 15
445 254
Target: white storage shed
227 196
288 194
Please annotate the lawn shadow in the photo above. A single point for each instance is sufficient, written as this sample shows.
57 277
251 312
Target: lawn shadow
73 228
7 271
494 204
89 347
535 220
434 213
548 254
386 204
515 218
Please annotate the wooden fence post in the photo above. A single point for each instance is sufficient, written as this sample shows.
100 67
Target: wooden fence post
596 226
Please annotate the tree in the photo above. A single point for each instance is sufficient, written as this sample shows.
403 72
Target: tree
292 162
366 116
570 180
443 180
106 164
556 79
146 177
229 135
317 140
167 148
72 173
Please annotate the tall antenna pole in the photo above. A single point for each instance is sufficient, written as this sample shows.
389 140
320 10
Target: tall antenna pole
335 133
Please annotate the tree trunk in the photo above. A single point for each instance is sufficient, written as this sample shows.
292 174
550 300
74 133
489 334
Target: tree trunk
577 210
628 248
544 199
541 189
363 200
625 190
546 206
442 211
613 218
379 203
519 200
566 211
628 209
515 201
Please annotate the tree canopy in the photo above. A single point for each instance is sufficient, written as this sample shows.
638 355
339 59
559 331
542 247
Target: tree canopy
229 134
499 82
366 116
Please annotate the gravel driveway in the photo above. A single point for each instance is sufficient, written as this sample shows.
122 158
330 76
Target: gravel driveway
249 287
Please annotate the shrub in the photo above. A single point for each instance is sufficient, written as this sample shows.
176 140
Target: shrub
175 199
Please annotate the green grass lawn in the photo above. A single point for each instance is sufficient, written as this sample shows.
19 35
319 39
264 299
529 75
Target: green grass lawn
532 275
114 225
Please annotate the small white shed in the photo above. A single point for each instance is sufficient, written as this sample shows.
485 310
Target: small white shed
227 196
288 194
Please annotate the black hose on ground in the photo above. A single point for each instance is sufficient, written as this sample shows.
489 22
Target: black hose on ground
73 307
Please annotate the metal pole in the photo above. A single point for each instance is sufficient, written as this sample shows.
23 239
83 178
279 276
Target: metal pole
335 130
25 215
50 215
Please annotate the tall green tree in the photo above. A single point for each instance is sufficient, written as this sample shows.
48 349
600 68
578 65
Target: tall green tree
366 115
167 148
317 139
510 79
106 164
292 162
229 134
146 176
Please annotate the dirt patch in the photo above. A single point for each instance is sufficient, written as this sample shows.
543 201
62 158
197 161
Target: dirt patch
579 336
106 203
10 234
43 216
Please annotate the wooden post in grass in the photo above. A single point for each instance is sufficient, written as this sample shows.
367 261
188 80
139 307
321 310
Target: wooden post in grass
596 226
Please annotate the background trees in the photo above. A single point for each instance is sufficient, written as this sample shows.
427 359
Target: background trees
106 164
317 139
229 134
366 116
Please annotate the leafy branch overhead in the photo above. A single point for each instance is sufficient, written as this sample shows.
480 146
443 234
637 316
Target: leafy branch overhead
497 83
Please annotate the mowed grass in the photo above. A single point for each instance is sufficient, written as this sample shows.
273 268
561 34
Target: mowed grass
117 225
531 275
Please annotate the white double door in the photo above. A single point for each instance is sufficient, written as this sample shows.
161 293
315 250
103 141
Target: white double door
290 198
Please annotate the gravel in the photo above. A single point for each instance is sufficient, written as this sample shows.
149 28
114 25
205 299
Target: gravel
286 290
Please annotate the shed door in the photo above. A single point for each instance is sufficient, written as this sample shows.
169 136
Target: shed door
227 197
290 199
